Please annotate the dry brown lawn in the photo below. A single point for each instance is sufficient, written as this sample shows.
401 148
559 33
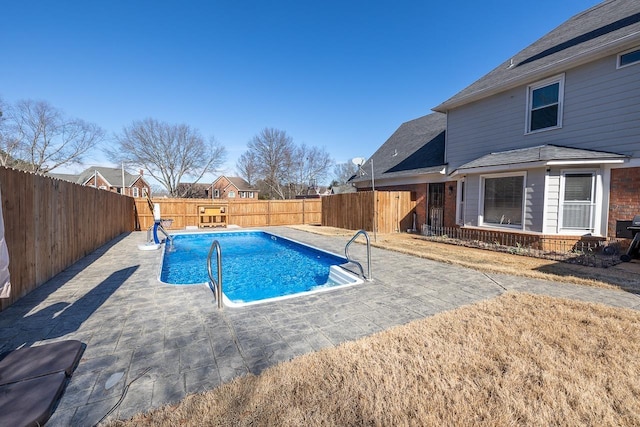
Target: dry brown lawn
518 359
496 262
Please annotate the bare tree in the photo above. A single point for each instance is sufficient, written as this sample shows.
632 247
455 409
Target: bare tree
273 150
43 138
169 152
247 166
311 166
8 143
343 172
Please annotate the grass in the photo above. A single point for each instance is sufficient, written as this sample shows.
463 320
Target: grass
518 359
497 262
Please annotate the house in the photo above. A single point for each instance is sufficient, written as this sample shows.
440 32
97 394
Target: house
111 179
548 143
233 187
412 159
189 190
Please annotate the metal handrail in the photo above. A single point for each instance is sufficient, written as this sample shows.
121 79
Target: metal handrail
217 285
346 254
168 237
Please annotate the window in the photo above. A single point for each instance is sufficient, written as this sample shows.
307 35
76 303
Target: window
136 192
544 105
216 193
629 58
243 194
578 201
502 200
460 196
145 192
231 194
251 194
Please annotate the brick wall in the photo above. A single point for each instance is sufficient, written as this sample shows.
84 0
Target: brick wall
624 201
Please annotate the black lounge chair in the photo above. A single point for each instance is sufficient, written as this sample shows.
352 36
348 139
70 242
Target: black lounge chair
33 379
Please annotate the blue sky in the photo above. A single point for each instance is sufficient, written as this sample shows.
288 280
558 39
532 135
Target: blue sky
342 75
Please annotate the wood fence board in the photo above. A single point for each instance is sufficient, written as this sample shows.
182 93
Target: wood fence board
50 224
355 211
244 213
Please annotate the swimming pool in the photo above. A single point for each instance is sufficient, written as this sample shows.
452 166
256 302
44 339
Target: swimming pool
256 266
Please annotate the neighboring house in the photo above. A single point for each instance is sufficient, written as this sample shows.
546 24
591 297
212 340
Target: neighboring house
233 187
547 143
189 190
412 159
111 179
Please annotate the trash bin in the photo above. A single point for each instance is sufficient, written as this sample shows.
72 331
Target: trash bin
634 248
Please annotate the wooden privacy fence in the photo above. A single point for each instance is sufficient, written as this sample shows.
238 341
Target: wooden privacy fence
50 224
355 211
254 213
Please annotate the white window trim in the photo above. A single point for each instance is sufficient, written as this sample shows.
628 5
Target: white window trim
547 82
597 201
481 222
618 66
135 191
216 193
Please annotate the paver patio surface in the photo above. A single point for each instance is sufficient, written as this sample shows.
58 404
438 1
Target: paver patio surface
174 341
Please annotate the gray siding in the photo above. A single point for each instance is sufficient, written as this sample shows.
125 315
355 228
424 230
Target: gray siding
535 200
601 112
553 201
472 185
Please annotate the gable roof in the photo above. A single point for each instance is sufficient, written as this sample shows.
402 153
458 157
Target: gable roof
538 156
240 183
112 175
416 147
605 29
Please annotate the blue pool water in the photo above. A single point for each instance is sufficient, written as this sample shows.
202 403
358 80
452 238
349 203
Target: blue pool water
255 265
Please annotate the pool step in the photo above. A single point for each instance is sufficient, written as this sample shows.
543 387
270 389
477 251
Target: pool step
340 276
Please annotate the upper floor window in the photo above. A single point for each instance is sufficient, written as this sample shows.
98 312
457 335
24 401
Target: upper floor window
231 194
544 104
629 58
136 192
216 193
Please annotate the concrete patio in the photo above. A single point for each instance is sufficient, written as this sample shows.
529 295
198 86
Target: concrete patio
132 324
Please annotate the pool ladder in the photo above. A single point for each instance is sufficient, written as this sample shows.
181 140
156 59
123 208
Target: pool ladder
217 284
351 260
